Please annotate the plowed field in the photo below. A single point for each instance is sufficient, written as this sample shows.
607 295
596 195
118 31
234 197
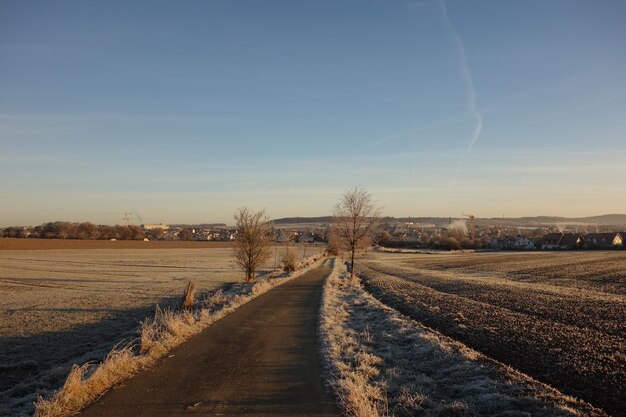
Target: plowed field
559 317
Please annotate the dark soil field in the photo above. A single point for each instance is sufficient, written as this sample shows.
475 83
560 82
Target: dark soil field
557 317
51 244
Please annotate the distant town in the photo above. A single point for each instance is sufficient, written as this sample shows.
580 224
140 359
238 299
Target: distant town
538 233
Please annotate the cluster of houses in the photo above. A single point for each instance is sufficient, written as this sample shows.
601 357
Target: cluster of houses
500 237
413 234
561 241
214 234
225 234
222 232
285 236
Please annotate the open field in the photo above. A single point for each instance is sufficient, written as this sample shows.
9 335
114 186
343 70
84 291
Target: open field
53 244
261 359
558 317
62 307
382 363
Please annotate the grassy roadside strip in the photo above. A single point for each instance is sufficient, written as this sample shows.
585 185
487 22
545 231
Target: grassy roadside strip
158 335
381 363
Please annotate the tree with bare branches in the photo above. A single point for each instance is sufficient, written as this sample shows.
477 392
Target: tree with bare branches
252 244
355 222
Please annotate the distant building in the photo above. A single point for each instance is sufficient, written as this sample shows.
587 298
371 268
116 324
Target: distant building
556 241
306 238
507 242
201 235
523 243
228 235
214 236
603 240
154 226
518 242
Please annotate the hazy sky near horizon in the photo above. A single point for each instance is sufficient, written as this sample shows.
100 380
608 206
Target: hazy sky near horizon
185 111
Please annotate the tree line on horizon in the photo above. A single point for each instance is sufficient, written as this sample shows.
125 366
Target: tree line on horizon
80 231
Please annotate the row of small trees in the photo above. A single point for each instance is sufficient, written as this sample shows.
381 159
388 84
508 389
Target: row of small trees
85 230
353 227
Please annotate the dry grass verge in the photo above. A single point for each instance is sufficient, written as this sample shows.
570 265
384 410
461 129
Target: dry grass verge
290 261
382 363
158 335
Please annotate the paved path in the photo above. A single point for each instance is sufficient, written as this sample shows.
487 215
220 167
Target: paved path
260 360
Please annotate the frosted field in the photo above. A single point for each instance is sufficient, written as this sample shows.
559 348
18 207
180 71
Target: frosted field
556 316
62 307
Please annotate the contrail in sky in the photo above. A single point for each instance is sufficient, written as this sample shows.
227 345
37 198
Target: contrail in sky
471 91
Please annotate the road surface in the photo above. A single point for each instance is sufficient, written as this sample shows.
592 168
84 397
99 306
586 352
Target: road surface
261 360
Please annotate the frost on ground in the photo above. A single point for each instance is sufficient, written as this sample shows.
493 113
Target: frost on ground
62 307
166 330
382 363
558 317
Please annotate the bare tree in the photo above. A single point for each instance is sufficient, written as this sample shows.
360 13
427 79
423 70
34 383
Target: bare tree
355 222
252 245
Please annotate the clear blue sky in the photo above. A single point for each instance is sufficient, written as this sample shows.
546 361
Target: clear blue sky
187 110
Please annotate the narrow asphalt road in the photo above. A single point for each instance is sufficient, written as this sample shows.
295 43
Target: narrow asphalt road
261 360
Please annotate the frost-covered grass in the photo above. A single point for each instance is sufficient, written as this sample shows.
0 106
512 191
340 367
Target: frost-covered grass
61 307
166 330
382 363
